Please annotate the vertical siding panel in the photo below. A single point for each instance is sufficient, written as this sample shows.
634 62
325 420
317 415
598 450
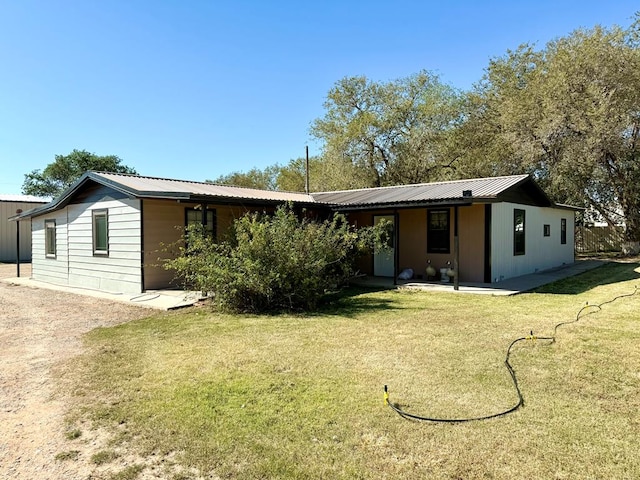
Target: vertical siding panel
471 235
541 253
8 231
413 240
163 222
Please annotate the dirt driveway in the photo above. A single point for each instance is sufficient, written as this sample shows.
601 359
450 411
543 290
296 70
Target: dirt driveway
38 329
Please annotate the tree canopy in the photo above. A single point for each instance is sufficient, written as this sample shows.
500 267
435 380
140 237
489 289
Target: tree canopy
255 178
568 114
393 132
66 169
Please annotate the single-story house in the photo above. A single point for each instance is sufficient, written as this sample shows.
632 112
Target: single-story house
16 240
111 231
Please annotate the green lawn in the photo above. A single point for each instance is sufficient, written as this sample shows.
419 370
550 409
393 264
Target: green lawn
302 396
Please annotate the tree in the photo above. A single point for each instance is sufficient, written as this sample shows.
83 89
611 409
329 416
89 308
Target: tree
66 169
324 174
393 133
255 178
569 115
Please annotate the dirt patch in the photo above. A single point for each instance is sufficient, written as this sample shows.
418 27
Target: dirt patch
39 328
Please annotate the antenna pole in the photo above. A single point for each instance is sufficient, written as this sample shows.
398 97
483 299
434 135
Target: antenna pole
306 171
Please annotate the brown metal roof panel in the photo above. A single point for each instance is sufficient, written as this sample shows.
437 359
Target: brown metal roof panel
162 186
480 188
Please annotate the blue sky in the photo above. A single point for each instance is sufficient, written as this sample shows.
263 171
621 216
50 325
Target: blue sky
196 89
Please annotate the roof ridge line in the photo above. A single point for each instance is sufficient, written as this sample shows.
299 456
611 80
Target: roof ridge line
196 182
522 175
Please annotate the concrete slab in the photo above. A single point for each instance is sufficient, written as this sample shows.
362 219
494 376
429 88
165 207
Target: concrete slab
511 286
156 299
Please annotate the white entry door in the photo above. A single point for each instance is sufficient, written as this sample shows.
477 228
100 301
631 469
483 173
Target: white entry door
383 258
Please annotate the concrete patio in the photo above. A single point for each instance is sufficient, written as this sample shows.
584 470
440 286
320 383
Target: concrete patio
156 299
511 286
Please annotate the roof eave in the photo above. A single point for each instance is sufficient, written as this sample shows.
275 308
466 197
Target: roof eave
462 202
564 206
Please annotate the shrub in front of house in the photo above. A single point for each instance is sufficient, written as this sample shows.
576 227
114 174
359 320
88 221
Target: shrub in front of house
279 262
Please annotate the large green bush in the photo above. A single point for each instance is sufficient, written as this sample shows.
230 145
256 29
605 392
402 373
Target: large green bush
272 262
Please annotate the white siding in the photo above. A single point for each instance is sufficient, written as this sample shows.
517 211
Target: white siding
75 264
541 253
47 269
121 270
8 234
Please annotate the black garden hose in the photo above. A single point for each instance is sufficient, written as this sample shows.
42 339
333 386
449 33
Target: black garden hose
395 407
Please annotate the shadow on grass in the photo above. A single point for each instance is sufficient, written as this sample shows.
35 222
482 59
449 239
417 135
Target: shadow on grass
353 301
612 272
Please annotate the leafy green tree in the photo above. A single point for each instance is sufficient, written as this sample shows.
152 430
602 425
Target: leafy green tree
272 262
569 115
255 178
66 169
325 174
393 133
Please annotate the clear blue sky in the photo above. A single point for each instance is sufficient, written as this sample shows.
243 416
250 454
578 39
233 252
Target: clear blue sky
194 89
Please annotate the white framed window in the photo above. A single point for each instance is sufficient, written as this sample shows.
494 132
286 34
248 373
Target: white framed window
100 229
50 238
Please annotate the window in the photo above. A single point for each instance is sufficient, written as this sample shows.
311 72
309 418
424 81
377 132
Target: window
438 237
563 231
518 231
100 232
547 230
50 238
193 216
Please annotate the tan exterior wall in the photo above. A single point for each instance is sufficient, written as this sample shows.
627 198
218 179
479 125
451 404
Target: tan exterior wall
471 238
412 224
412 240
162 228
159 221
413 233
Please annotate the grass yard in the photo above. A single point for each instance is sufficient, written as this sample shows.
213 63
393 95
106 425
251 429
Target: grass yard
302 396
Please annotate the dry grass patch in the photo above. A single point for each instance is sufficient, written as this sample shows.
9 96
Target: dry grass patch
302 397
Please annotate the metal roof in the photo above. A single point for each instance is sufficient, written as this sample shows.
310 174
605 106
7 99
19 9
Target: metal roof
508 188
476 189
168 188
22 198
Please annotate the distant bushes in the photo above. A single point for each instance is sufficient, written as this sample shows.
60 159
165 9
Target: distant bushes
273 262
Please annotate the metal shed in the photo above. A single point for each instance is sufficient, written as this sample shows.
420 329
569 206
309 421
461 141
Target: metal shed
10 236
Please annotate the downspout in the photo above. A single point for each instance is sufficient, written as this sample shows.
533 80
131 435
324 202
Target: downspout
456 250
396 245
18 245
306 171
142 249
